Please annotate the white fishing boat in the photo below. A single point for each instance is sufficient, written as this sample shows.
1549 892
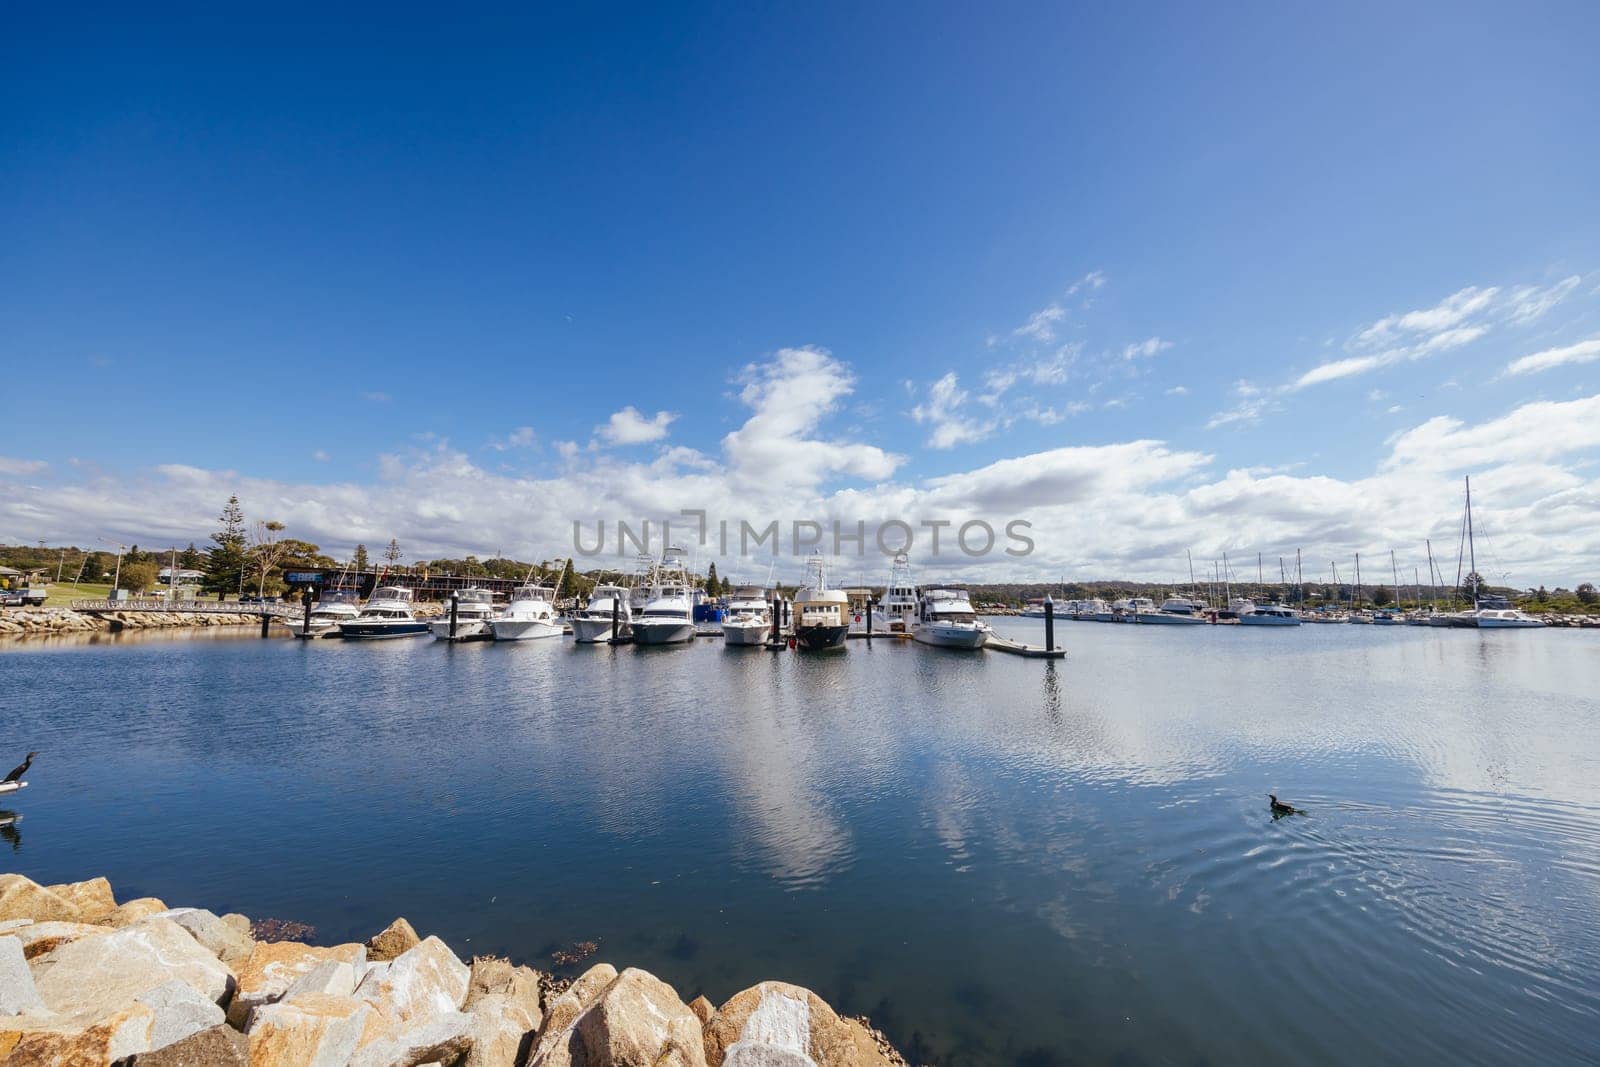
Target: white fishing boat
530 615
1133 609
897 611
1179 611
1270 615
1091 610
1506 618
326 615
387 614
474 612
667 617
608 615
945 619
821 615
748 618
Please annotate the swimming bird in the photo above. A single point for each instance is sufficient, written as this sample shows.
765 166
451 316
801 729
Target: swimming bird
1280 808
21 769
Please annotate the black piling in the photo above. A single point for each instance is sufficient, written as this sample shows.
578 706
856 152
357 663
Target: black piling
305 604
455 609
869 620
1049 624
266 621
616 617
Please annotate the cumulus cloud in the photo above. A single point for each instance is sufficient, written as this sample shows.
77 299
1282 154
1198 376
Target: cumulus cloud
1582 352
10 465
942 413
628 427
521 437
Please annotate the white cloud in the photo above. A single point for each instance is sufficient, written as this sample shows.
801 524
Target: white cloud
1145 348
629 427
1089 282
1530 302
942 412
1041 325
320 456
10 465
1447 313
521 437
1582 352
376 397
1250 403
1178 390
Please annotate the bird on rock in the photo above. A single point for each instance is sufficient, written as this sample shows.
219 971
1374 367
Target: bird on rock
1280 808
21 769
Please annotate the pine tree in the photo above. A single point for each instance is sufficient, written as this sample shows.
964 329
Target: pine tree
360 562
225 561
392 553
713 585
190 558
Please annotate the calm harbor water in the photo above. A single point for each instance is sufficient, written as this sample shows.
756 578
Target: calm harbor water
1003 861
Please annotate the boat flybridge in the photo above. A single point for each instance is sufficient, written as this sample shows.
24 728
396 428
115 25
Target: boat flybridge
388 614
474 616
945 619
748 620
1180 611
1091 610
340 605
668 615
821 615
530 615
607 616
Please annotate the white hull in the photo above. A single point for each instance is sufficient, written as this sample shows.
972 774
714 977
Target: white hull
1268 620
746 633
318 628
662 631
1509 624
466 629
949 636
1165 618
588 631
524 629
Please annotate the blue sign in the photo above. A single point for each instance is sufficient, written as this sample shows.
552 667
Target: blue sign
303 577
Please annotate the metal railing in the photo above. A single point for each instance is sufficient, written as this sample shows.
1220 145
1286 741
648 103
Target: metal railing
189 607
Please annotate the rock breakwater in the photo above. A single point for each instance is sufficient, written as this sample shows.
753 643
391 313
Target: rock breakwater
45 622
87 980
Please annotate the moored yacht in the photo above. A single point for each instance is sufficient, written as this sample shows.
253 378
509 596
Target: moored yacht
668 615
530 615
608 609
326 615
897 611
1270 615
945 618
1179 611
474 611
1132 609
821 615
388 613
1091 610
749 617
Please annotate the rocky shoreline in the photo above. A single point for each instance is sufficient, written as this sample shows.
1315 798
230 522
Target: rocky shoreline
86 980
49 622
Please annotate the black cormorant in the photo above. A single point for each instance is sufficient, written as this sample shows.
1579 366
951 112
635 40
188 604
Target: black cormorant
21 769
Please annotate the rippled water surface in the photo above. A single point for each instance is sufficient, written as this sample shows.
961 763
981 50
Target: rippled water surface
1000 860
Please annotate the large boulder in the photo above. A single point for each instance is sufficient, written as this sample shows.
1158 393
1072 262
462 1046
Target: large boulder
273 966
562 1013
702 1008
502 1031
521 986
414 987
313 1030
223 939
330 976
17 991
59 1042
93 898
636 1020
775 1023
23 898
135 910
220 1046
180 1012
39 938
94 975
441 1038
396 939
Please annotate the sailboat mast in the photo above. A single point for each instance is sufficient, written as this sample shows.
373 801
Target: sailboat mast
1433 579
1356 600
1395 569
1472 552
1299 579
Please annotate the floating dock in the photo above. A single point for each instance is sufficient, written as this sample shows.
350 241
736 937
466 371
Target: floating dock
1017 648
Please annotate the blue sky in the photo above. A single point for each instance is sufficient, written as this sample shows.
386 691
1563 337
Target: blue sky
392 277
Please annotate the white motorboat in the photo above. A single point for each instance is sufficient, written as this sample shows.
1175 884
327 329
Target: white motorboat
1091 610
897 611
326 615
821 615
474 612
1505 619
1178 611
1132 609
608 615
748 618
1270 615
530 615
667 617
388 613
945 618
